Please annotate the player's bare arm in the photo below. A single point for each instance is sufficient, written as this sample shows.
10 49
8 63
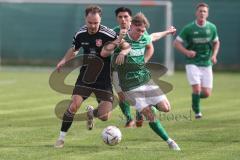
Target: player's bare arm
125 49
158 35
179 46
69 55
216 46
109 48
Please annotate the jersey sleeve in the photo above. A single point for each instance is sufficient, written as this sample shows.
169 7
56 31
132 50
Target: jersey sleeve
76 43
116 29
215 34
182 37
149 39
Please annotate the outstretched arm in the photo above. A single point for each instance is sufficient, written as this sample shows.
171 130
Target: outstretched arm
158 35
68 55
179 46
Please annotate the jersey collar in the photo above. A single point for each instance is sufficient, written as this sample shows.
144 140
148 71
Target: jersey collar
200 25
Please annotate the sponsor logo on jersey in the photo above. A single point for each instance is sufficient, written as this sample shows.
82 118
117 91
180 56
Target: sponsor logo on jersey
201 40
208 31
84 43
98 42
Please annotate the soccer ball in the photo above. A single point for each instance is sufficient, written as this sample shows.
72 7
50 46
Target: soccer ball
111 135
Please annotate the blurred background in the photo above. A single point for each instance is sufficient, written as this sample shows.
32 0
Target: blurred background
39 32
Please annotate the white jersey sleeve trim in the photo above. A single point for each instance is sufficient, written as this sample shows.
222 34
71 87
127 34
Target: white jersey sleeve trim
110 35
179 39
216 39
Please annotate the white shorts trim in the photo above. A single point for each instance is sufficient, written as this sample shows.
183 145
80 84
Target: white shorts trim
145 95
200 75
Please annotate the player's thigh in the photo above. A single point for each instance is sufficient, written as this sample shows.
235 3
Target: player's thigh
207 77
193 74
145 95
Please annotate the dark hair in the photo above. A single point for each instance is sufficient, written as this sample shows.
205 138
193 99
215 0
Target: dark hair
123 9
202 5
140 19
94 9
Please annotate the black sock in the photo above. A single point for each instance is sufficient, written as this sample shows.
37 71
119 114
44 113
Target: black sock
95 112
67 120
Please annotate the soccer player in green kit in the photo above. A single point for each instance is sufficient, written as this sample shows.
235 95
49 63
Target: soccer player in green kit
124 17
135 78
199 42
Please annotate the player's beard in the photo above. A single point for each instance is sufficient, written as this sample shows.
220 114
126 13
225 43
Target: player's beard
92 30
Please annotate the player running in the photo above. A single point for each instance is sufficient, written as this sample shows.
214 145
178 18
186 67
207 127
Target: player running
135 78
124 17
91 37
201 48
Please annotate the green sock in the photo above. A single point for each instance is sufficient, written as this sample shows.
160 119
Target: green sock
154 109
125 108
196 102
202 95
158 128
138 115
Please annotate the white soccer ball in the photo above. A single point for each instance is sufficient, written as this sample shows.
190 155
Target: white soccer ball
111 135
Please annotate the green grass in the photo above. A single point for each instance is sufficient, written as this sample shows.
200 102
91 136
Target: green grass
29 128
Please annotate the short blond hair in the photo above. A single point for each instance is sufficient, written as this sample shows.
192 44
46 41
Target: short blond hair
140 19
202 5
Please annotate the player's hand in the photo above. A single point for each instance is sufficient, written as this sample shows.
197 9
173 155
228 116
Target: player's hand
191 54
172 30
122 34
214 59
120 59
60 64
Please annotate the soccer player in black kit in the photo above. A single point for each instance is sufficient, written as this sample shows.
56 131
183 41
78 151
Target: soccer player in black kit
91 37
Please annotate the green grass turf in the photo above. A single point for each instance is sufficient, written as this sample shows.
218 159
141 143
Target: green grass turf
29 127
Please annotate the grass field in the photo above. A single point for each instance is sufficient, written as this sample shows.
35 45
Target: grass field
29 127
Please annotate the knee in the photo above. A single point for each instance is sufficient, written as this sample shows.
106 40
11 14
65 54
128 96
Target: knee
74 107
207 94
166 108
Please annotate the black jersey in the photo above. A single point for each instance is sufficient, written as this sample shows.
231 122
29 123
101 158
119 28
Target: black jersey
92 45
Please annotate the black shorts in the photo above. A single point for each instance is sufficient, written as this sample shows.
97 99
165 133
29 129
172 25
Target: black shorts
103 92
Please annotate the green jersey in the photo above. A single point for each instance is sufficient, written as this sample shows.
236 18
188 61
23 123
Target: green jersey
199 39
117 30
133 73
